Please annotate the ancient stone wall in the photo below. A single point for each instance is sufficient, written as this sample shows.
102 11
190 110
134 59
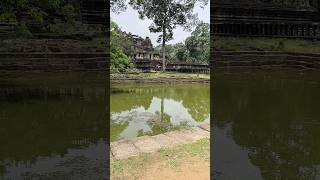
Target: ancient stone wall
267 19
53 62
53 55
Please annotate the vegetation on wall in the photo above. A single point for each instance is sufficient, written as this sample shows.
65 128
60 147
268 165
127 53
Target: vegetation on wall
120 48
28 16
265 44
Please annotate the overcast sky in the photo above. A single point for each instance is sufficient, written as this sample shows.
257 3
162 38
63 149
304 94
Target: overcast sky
129 21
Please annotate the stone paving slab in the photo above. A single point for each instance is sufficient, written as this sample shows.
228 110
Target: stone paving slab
179 136
123 149
165 141
196 133
146 144
205 127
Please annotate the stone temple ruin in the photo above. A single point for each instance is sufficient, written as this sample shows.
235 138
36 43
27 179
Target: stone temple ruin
146 58
267 18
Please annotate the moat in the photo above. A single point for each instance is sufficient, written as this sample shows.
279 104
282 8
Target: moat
53 126
266 125
150 109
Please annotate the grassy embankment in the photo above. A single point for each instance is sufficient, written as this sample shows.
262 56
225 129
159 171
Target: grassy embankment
167 162
159 75
266 44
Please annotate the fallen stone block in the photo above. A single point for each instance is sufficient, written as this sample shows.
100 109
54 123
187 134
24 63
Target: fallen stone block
123 149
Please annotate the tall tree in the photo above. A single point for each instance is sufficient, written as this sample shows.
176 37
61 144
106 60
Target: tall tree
198 44
118 6
166 15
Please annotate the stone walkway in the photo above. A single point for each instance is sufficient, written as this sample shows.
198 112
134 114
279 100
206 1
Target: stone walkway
124 149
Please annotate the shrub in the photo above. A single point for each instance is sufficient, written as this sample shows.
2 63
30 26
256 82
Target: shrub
23 31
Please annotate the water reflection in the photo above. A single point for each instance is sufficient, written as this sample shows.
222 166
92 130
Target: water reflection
271 119
53 126
138 110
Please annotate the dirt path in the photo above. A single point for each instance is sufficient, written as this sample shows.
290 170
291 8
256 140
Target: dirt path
182 162
195 168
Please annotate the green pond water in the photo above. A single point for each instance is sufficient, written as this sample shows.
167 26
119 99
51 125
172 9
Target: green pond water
266 125
53 126
150 109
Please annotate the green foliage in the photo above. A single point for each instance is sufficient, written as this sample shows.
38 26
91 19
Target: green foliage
116 39
37 14
179 52
54 28
68 13
7 16
198 44
41 12
196 48
120 48
118 6
48 4
23 31
167 16
119 60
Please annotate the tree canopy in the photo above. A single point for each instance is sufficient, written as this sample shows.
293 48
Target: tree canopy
118 6
198 44
39 14
195 48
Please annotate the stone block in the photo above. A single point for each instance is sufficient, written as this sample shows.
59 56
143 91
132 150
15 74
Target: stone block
179 136
196 133
123 149
165 141
205 127
146 144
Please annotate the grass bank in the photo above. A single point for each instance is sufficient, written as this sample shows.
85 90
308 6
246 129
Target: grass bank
160 76
179 162
266 44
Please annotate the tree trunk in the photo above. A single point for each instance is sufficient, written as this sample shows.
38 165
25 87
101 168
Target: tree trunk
162 109
164 47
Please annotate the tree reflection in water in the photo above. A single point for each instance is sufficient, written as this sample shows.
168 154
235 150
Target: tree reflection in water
275 117
154 109
53 122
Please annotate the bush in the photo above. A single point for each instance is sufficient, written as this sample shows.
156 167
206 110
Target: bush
119 60
281 45
8 16
53 28
23 31
69 13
